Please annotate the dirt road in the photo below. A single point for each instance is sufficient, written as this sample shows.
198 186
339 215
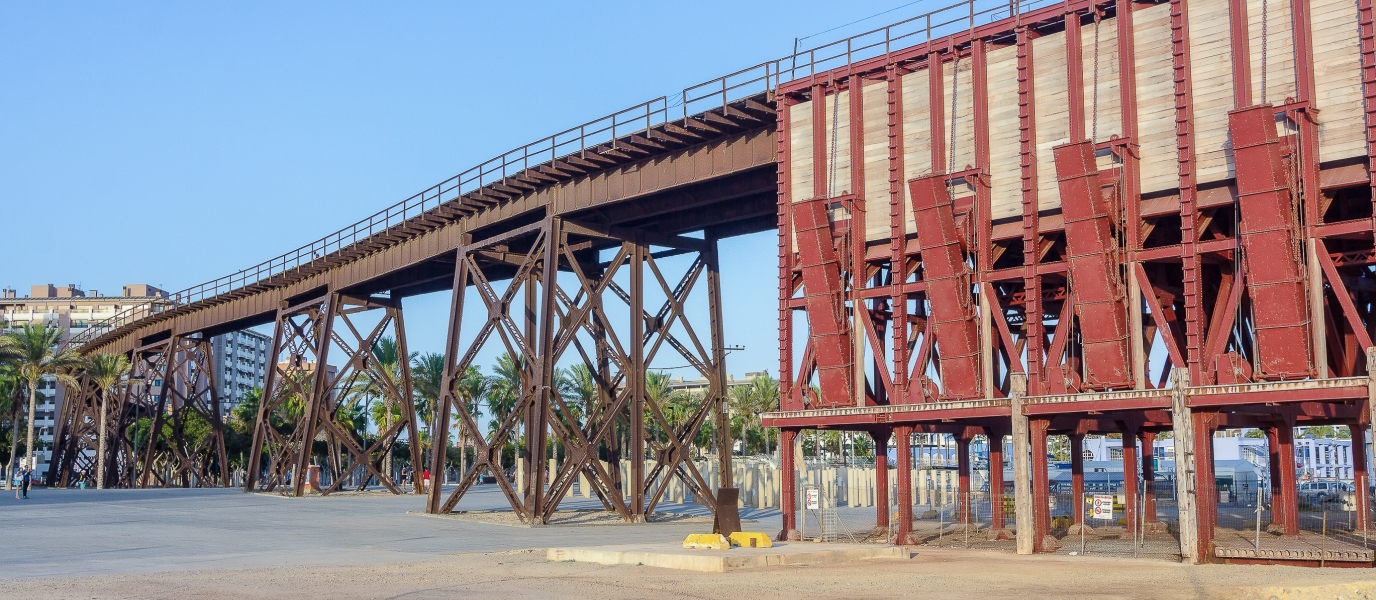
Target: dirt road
934 574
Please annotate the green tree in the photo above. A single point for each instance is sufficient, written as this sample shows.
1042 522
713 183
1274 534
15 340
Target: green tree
37 352
471 390
12 388
246 412
427 381
107 371
505 388
382 379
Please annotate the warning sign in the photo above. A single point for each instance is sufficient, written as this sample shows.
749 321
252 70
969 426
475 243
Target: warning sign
1101 507
813 500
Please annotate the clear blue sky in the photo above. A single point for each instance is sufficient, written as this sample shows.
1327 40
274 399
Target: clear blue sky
171 143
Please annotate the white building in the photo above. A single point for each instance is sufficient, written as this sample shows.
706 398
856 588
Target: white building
70 308
241 358
1315 458
241 364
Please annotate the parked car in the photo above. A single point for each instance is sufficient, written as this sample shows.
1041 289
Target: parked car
1318 492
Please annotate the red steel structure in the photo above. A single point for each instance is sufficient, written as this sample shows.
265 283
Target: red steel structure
1015 219
1086 217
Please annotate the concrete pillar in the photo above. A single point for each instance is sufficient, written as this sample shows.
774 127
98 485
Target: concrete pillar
1041 488
922 488
1077 477
788 478
881 477
905 483
995 477
1130 478
1182 423
1289 494
963 474
1148 440
1360 479
1022 477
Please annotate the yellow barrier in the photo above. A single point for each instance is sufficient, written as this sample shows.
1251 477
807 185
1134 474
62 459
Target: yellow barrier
750 540
707 541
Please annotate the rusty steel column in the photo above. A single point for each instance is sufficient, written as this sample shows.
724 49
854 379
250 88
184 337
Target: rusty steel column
1077 476
636 381
718 350
904 501
1289 494
881 476
1033 329
1275 458
449 401
788 490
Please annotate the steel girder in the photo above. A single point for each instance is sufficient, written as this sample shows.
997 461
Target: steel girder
615 355
76 442
303 403
173 409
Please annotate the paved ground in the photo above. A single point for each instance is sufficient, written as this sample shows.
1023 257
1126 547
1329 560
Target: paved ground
84 532
189 544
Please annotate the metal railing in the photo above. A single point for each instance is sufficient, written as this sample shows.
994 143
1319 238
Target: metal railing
717 93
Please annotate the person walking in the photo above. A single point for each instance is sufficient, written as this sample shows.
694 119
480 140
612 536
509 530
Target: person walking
26 476
427 481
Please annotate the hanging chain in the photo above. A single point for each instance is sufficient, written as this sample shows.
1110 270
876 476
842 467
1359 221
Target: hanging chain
1094 119
951 149
835 124
1265 15
951 152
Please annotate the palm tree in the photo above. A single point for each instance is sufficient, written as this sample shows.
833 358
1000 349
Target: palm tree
427 380
658 387
11 386
35 353
471 390
580 386
382 379
504 390
107 371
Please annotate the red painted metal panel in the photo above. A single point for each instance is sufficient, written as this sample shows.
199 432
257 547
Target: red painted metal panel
822 294
1095 282
948 287
1270 246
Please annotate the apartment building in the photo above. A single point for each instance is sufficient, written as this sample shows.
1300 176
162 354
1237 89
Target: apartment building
241 364
74 310
700 386
240 358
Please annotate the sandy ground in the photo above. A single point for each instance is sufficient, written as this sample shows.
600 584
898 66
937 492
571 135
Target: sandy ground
933 574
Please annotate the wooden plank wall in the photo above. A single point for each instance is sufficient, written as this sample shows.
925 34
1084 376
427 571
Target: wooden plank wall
1338 98
1151 38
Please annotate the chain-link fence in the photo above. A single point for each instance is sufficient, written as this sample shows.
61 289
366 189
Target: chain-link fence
1328 524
